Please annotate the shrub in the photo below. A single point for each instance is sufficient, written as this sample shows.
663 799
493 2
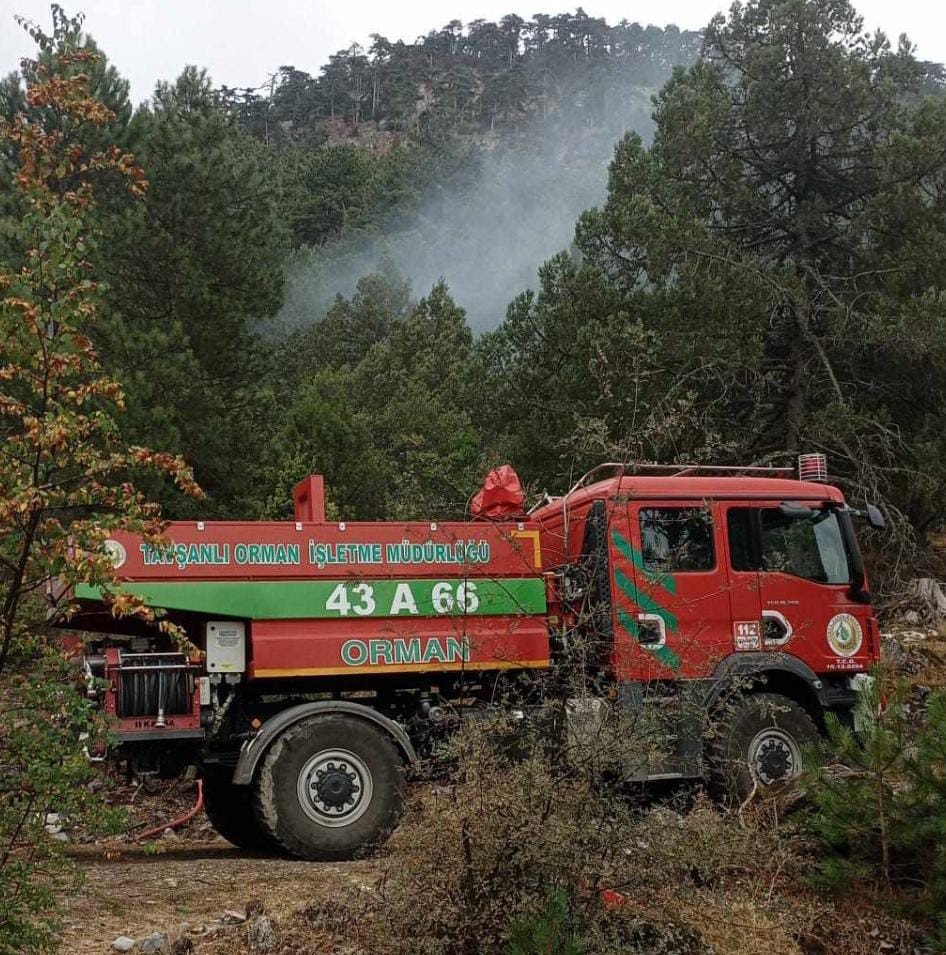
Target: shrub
878 799
534 849
43 771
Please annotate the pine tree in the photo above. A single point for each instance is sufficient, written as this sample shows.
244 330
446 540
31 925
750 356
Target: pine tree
550 933
924 838
857 813
193 271
878 797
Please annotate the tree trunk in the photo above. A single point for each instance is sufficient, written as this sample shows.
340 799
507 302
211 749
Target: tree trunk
795 396
11 604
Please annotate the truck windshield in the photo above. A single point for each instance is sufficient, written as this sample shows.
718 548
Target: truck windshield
811 547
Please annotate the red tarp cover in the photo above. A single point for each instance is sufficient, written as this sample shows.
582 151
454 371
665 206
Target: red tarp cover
500 497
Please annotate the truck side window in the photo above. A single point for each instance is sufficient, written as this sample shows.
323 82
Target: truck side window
807 547
677 539
742 546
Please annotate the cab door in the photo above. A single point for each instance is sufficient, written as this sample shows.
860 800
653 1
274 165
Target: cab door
670 591
804 572
740 523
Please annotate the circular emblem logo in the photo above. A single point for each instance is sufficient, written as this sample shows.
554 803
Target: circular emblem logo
845 635
116 553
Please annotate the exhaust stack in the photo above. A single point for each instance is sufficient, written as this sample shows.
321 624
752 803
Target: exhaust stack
309 499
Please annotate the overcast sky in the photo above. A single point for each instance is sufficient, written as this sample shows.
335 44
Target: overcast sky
241 42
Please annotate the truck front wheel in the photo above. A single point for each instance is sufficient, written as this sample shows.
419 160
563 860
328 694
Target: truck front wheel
758 742
330 787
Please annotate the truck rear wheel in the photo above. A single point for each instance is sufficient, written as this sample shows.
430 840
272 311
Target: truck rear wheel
230 810
758 742
330 787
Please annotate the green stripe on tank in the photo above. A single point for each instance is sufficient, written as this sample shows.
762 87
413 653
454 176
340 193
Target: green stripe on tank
334 599
667 581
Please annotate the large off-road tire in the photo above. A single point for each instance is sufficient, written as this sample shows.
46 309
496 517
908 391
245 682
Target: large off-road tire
758 741
230 810
330 787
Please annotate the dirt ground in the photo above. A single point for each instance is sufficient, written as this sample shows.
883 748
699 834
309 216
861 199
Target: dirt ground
188 888
185 883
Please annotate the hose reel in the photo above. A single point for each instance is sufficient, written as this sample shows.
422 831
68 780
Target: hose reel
153 684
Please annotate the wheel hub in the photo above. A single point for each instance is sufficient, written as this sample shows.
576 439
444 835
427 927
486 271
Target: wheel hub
334 788
775 759
773 756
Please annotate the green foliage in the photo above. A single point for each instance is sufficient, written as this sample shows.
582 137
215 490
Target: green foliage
44 771
548 933
338 189
774 251
763 278
385 417
235 178
324 433
879 801
857 813
350 327
193 270
565 374
417 386
925 838
482 76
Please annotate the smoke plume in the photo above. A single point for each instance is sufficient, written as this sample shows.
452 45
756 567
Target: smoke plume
487 237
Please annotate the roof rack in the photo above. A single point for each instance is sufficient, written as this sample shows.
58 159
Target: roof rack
668 470
689 470
678 470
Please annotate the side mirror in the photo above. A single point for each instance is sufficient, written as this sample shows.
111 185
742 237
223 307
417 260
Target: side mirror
796 512
874 517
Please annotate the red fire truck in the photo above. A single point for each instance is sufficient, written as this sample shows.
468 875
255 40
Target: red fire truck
332 652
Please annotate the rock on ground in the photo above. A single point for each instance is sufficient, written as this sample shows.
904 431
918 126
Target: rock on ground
261 934
157 943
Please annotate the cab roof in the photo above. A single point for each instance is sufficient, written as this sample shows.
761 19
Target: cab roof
650 487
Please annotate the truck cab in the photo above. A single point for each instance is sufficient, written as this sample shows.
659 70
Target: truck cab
744 585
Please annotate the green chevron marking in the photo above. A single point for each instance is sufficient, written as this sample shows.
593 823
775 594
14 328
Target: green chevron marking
667 581
647 604
629 623
664 654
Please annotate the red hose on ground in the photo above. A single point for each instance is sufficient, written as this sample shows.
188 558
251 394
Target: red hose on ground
174 823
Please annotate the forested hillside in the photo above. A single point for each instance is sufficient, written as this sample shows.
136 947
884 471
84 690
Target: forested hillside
466 156
477 147
734 296
478 76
